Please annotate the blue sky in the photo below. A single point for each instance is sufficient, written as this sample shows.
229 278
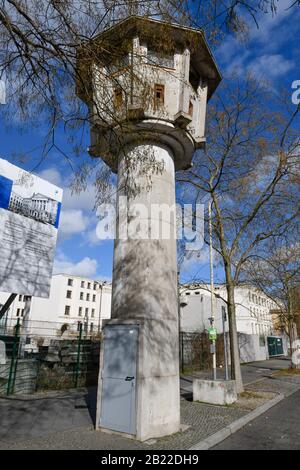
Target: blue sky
272 53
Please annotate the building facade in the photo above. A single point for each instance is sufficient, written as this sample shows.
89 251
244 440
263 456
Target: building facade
38 207
73 300
253 317
253 309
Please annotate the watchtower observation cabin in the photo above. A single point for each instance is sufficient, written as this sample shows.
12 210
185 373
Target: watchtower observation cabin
144 76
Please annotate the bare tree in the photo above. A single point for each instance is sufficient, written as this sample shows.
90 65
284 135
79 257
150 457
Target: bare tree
249 171
276 271
39 41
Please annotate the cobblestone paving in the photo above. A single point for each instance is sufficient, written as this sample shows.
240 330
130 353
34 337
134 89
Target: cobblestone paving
203 420
284 385
60 421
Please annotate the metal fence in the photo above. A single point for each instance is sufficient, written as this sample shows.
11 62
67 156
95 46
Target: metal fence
39 356
195 352
30 363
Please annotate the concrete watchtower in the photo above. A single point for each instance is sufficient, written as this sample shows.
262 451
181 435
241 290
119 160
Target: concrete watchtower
146 84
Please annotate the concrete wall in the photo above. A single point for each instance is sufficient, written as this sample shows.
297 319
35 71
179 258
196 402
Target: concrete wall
26 376
251 348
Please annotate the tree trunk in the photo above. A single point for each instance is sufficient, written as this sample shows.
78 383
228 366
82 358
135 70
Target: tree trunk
236 373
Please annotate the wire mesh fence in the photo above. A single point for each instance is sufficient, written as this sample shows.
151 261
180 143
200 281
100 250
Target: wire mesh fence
36 357
195 352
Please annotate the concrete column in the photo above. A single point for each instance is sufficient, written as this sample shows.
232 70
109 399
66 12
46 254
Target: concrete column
145 284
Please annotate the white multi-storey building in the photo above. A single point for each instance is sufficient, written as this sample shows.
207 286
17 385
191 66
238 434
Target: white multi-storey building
73 300
253 309
38 207
253 316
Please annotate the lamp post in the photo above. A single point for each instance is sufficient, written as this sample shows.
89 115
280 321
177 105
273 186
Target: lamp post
101 285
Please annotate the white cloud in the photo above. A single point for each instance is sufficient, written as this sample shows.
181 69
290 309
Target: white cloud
92 238
194 260
83 200
87 267
2 92
270 66
52 175
73 221
261 54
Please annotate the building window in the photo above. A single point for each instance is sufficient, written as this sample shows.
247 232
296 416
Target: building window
95 286
93 313
162 60
81 295
70 282
86 312
159 95
20 298
80 311
118 97
197 292
78 326
82 284
94 298
67 310
69 294
91 327
87 297
191 109
89 285
22 313
18 312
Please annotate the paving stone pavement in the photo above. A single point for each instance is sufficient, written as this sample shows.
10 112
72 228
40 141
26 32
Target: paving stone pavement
203 420
284 385
63 420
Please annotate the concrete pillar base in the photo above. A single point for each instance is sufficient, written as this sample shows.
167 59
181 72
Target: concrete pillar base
215 392
157 399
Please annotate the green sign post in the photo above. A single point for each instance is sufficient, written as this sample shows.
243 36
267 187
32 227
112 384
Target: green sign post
212 333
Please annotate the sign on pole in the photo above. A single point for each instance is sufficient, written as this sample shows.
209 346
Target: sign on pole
29 218
212 333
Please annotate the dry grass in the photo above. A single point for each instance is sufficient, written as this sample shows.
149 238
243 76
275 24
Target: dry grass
249 400
286 372
250 394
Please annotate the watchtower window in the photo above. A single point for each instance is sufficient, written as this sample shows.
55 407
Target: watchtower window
162 60
194 78
159 94
118 63
118 97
